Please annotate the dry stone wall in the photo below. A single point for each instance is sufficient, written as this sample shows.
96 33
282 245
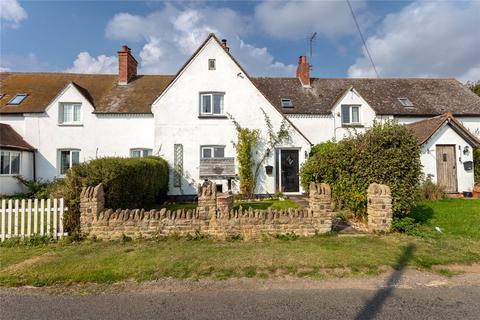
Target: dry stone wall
379 207
218 222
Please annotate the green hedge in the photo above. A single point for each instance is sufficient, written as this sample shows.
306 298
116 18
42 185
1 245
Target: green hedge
128 183
386 154
476 162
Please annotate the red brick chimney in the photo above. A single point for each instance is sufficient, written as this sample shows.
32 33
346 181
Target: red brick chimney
224 45
303 71
127 65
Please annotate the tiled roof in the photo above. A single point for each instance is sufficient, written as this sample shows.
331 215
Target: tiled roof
430 97
102 91
425 129
10 139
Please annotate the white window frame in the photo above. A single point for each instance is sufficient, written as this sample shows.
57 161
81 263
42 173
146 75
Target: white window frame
61 113
144 152
70 164
10 153
350 114
212 148
212 95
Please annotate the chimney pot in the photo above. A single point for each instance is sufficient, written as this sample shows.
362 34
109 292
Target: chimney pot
303 71
127 65
224 45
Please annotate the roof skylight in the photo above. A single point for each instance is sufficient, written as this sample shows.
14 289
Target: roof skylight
286 103
17 99
405 102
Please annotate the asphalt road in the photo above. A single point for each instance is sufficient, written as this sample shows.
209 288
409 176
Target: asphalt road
459 302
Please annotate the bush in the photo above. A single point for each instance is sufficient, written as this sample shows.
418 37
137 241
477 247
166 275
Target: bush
386 154
476 162
128 183
432 191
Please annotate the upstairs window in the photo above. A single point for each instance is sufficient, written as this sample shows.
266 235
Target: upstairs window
405 102
140 152
286 103
211 64
211 104
9 162
70 113
17 99
350 114
212 152
68 158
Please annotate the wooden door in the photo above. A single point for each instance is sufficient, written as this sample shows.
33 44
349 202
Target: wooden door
289 168
446 167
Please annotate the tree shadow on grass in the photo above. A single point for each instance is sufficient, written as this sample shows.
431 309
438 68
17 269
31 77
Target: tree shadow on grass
374 305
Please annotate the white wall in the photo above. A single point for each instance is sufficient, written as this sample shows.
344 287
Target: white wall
321 128
176 116
447 136
97 136
9 184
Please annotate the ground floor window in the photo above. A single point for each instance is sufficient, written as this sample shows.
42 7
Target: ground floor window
140 152
68 158
209 152
9 162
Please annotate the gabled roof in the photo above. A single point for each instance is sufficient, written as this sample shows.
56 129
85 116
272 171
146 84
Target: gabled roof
10 139
430 97
101 90
425 129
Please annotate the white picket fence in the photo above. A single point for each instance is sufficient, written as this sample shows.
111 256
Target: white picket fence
32 217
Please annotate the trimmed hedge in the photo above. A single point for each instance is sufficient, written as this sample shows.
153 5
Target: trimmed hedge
386 154
476 162
128 183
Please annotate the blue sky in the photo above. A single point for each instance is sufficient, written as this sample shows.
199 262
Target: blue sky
406 38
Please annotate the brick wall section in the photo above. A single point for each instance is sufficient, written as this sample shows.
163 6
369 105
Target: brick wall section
207 218
225 202
379 208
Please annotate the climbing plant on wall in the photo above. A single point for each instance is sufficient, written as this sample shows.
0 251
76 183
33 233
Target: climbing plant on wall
249 143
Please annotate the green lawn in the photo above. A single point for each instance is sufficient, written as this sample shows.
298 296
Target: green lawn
317 257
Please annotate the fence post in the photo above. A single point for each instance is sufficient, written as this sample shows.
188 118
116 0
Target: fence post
320 204
379 207
49 210
29 217
15 223
35 215
42 217
4 213
207 199
22 217
92 202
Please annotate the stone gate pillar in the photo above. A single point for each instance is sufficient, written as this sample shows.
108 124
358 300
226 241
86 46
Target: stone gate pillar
379 207
320 202
92 202
207 199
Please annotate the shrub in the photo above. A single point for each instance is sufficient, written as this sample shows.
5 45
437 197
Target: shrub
432 191
387 153
128 183
476 162
405 225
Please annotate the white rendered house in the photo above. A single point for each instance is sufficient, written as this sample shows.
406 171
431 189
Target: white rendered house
189 118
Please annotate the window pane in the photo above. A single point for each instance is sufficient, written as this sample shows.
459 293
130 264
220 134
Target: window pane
218 104
135 153
147 152
75 157
64 161
76 113
67 113
345 114
219 152
14 163
206 103
206 152
355 115
5 162
211 64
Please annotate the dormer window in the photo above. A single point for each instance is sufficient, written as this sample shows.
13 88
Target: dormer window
211 104
350 114
17 99
70 113
405 102
211 64
286 103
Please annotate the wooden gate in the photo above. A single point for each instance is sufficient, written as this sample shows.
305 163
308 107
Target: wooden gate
446 167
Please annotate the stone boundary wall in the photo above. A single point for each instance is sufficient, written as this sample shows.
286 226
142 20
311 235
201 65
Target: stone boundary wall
207 218
379 208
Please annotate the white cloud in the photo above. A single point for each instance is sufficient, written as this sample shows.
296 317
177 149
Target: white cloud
171 35
297 19
428 39
11 13
27 62
85 63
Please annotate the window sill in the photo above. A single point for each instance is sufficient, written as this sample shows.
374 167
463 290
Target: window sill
352 125
70 124
212 117
13 175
